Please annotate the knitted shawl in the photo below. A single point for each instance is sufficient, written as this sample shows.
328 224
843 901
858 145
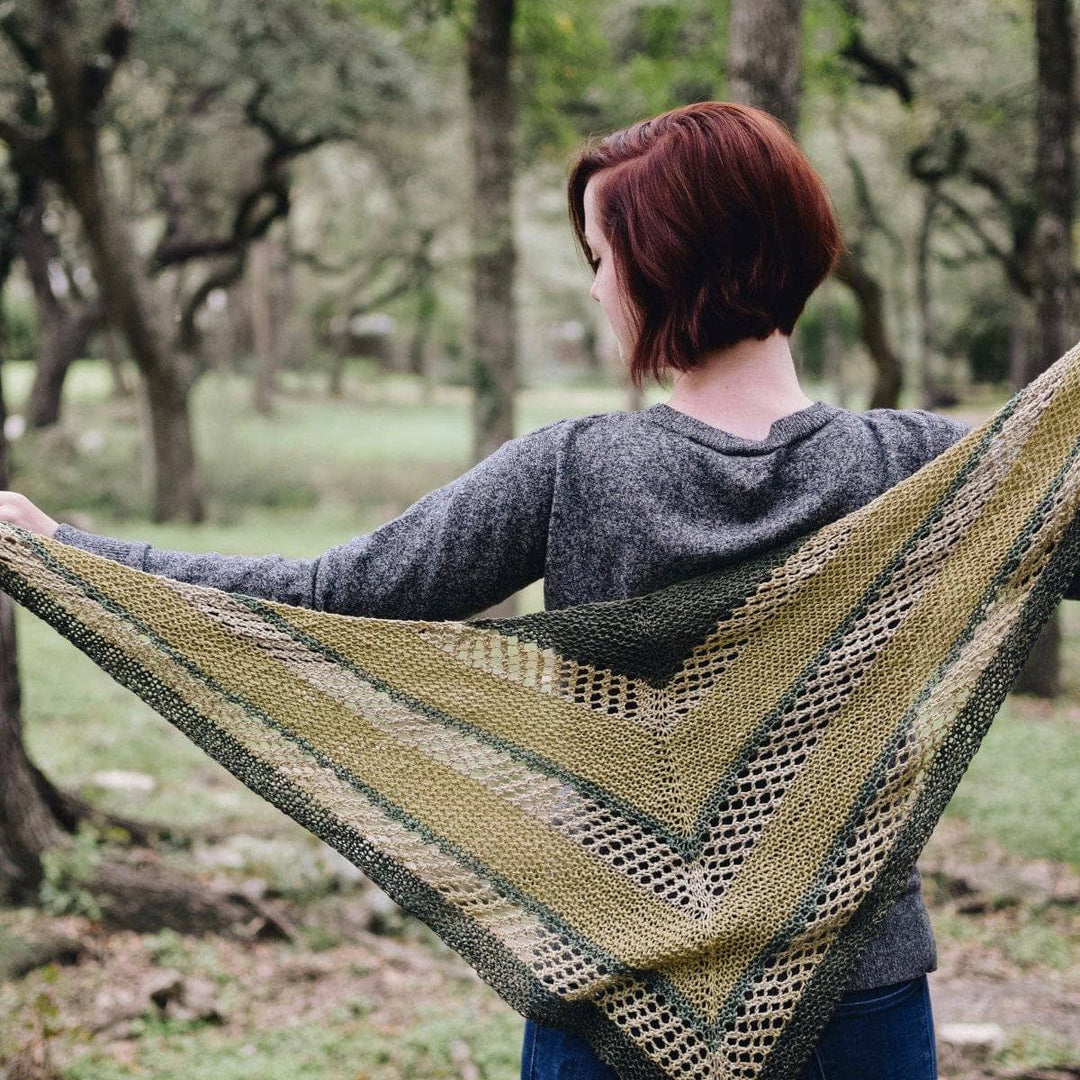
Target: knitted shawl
668 823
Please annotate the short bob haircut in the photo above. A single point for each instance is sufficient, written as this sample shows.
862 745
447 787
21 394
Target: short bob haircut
719 227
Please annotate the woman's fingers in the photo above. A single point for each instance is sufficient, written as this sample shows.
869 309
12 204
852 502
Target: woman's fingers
17 509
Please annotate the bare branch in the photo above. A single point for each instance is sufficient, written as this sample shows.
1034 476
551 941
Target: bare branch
1013 267
31 151
220 279
12 28
97 74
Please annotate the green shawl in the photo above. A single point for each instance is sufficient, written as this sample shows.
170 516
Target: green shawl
669 823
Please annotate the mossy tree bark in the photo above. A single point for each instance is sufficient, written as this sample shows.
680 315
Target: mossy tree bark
494 255
1055 177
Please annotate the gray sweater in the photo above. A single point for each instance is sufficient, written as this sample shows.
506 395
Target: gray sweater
602 507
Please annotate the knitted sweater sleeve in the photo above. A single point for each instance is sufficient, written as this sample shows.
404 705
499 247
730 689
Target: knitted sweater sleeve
451 554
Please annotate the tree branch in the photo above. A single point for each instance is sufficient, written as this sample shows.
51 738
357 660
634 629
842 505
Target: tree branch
259 208
874 70
31 151
188 334
12 28
98 73
1008 260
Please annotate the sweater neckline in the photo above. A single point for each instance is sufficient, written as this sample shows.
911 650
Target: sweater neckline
784 430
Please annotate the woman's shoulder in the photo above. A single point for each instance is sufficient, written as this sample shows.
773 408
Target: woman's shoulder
600 426
933 431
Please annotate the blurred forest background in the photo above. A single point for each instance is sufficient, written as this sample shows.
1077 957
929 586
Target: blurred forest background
269 272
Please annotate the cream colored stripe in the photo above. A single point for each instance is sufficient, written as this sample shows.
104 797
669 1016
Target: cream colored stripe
599 690
877 835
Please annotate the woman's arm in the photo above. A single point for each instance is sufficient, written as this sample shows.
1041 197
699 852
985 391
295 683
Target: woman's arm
451 554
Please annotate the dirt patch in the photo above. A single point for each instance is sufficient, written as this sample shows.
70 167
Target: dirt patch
1006 994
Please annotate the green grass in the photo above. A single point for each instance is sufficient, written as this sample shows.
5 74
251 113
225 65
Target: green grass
1028 1046
342 1043
1020 788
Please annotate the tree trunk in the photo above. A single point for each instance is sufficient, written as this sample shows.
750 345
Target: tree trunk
30 808
765 61
867 290
177 489
765 57
65 325
1054 183
928 385
491 99
290 345
28 803
426 306
64 340
115 357
27 824
262 330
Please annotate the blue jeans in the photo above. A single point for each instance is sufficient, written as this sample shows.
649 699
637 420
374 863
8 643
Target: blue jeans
886 1033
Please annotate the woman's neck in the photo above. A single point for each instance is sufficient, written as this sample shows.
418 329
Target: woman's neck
741 389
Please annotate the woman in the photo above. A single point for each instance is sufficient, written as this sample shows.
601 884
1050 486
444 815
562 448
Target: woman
707 230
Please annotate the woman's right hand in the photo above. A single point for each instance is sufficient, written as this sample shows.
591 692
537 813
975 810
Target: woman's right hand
19 510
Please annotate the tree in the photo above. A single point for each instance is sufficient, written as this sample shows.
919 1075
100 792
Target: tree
62 147
1055 178
765 57
1006 206
67 151
203 132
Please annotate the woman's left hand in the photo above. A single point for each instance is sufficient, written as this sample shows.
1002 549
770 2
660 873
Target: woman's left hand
19 510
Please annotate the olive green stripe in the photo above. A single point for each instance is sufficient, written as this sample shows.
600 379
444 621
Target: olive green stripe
168 702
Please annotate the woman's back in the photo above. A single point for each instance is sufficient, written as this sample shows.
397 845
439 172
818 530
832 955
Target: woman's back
644 499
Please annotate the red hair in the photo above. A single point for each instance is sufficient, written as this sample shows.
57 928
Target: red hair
719 226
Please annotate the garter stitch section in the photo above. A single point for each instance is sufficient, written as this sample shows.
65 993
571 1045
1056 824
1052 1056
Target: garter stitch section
668 823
